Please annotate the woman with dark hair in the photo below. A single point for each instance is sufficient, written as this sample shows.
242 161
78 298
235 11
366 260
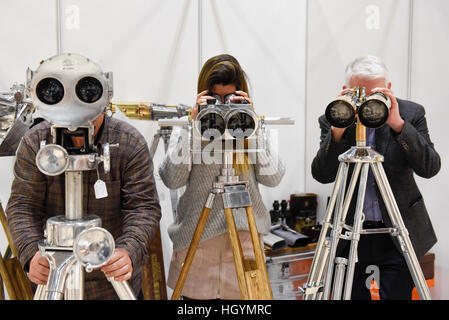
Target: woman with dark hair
212 274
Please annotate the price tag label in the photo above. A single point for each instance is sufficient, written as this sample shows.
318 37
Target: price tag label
100 189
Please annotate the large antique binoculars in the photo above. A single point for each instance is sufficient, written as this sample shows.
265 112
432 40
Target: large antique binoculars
372 110
228 120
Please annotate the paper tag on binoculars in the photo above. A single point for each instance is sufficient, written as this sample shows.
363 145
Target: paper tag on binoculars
100 189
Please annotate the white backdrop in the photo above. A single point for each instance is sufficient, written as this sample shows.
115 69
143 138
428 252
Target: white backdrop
294 53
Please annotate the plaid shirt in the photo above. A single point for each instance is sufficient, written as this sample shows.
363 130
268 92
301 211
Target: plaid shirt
131 212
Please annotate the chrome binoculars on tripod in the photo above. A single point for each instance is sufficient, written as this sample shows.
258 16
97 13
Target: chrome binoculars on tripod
229 122
330 276
226 120
70 92
372 110
75 240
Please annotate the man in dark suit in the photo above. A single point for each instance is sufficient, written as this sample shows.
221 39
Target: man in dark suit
405 143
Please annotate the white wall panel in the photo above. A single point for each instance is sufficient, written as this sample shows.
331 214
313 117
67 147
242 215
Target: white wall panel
28 35
430 69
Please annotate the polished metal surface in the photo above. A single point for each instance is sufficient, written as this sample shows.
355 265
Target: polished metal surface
321 274
357 226
74 284
152 111
174 122
60 263
93 247
52 159
68 69
81 162
360 154
122 289
340 270
74 195
227 121
70 91
236 196
17 114
61 232
372 111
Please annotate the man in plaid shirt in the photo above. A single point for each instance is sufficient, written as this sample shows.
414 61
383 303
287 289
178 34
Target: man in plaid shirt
131 212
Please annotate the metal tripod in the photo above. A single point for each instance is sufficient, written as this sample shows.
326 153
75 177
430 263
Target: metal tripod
321 276
62 233
252 275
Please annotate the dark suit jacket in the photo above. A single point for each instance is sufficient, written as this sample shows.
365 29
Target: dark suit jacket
406 153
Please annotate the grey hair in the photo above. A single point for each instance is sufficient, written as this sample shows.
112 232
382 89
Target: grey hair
368 67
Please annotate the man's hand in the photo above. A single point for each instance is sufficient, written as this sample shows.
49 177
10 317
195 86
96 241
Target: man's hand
120 266
39 269
337 133
394 118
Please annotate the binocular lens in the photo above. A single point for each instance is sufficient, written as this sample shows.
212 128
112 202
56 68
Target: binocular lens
212 125
241 125
50 91
89 90
373 113
340 114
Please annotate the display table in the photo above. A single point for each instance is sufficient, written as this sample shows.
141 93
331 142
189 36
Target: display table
289 268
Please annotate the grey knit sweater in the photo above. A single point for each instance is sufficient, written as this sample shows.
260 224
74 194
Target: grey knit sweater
177 170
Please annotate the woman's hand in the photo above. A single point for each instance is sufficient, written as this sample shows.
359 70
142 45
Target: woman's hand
200 100
242 95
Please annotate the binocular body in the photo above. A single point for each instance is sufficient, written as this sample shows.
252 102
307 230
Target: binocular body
372 110
227 121
69 89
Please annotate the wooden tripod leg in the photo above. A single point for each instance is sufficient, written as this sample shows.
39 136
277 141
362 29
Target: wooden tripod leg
2 291
7 280
237 253
153 274
192 248
16 276
258 253
8 234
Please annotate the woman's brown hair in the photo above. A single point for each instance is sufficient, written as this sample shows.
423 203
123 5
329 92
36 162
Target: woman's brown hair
222 69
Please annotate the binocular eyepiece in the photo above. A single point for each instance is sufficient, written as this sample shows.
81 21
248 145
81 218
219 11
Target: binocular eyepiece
231 120
372 110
